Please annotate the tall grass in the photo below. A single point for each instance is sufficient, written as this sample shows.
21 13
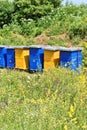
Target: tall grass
52 100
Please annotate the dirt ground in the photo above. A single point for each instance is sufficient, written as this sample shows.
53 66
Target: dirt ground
44 39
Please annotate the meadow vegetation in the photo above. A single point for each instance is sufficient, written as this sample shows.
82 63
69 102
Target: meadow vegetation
52 100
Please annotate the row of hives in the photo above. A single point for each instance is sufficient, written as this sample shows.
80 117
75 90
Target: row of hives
37 58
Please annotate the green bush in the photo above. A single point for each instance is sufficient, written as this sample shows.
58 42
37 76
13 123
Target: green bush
6 10
34 8
29 28
78 28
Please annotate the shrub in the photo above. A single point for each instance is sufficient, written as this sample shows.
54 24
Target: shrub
6 10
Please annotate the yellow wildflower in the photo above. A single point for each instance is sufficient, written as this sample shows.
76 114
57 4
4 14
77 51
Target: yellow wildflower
72 110
40 100
70 114
74 120
84 126
32 100
55 93
1 37
48 93
81 100
82 79
65 127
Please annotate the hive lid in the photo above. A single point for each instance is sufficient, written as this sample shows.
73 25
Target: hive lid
10 47
35 46
51 48
21 47
70 49
2 46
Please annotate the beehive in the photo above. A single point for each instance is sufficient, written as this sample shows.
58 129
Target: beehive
71 58
22 58
3 61
51 57
36 58
10 57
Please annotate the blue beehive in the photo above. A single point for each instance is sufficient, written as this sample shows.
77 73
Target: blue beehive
10 57
71 57
3 61
36 58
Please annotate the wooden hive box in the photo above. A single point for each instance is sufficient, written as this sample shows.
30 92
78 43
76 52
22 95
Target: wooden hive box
51 57
71 57
36 58
10 57
22 57
3 60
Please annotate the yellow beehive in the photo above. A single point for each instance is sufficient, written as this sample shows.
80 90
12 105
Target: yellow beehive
22 58
51 59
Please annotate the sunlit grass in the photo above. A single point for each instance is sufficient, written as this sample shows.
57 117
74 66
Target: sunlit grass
52 100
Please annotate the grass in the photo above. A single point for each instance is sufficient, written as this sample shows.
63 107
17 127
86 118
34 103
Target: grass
52 100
